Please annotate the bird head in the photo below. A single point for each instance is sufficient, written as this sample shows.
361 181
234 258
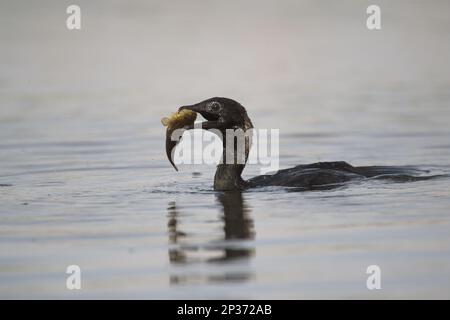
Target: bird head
226 113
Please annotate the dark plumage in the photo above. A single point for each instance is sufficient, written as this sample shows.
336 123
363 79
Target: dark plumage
224 113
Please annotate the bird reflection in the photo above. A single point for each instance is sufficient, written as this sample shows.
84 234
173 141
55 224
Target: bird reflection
219 251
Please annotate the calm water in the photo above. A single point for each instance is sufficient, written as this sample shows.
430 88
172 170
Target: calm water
84 178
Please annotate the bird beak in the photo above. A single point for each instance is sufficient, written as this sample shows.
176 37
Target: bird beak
200 108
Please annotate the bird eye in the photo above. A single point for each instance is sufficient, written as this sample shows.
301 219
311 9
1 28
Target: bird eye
214 106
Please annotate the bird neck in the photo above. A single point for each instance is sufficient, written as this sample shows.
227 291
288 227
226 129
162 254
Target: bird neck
228 172
234 157
228 177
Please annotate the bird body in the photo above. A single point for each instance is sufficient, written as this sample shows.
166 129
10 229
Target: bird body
224 113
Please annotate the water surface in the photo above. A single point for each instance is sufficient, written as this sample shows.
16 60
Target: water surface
84 179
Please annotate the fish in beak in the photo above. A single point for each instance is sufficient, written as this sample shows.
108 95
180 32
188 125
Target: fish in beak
177 120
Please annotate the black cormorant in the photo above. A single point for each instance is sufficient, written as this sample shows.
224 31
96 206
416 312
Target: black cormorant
224 113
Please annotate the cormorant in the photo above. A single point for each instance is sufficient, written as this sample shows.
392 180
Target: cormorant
224 113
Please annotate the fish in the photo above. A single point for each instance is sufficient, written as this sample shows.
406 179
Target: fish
177 120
